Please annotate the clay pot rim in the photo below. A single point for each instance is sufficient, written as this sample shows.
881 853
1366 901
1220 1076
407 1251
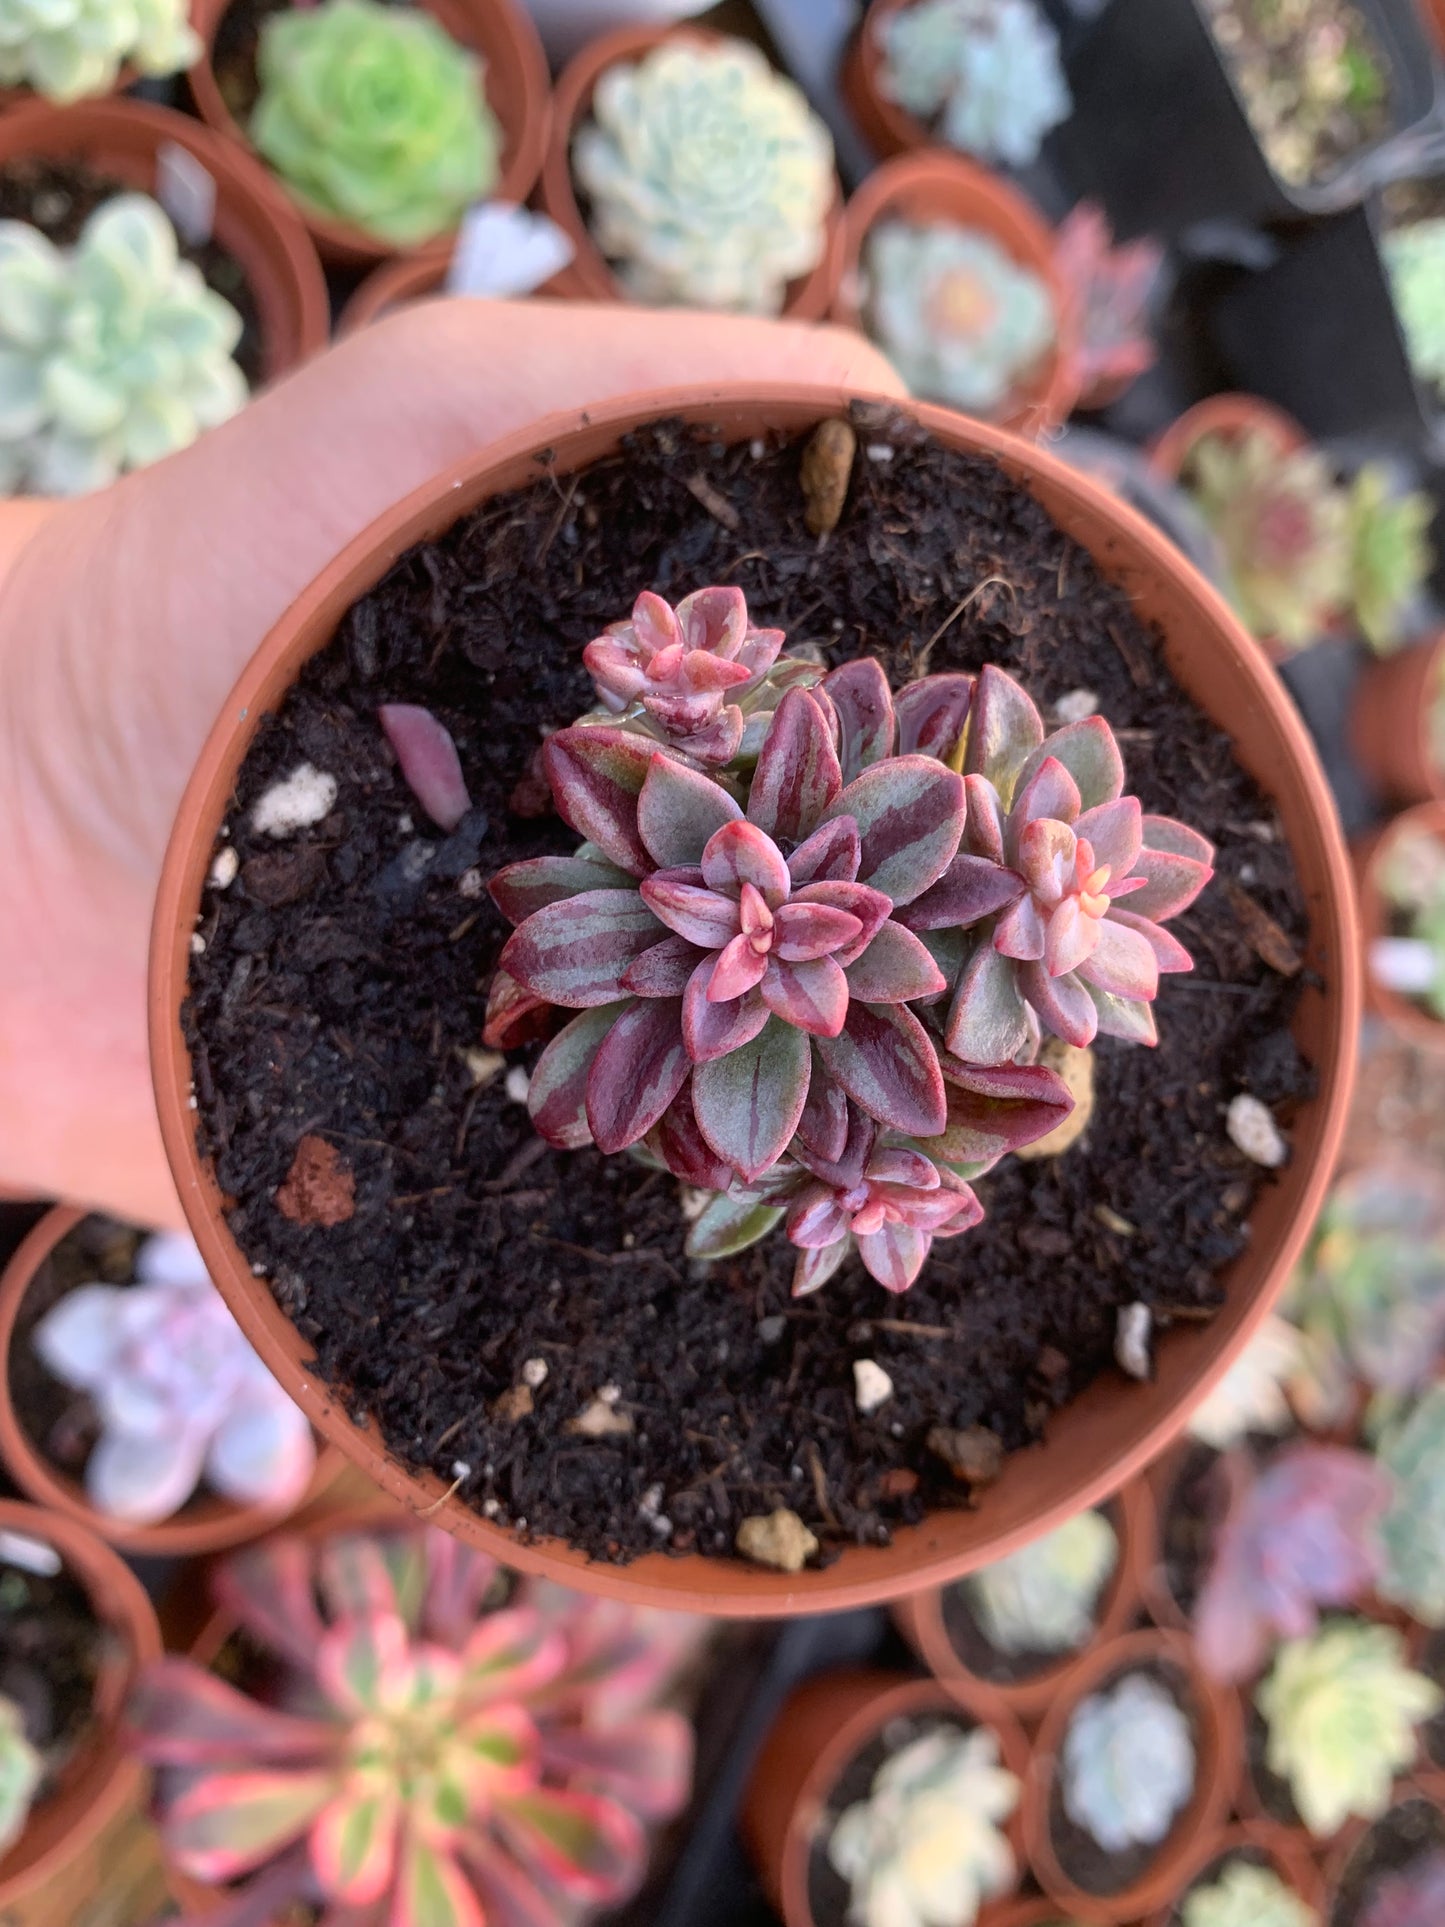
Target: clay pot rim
102 1778
1391 678
1230 414
208 1523
589 276
993 206
1405 1018
692 1583
1218 1760
497 23
1287 1850
887 128
1335 1854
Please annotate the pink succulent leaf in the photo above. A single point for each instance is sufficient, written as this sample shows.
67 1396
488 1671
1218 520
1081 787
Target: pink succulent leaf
863 705
896 1164
510 1895
909 811
639 1069
807 930
1070 938
1021 932
970 889
364 1664
1171 883
1167 834
678 810
896 968
748 1103
741 853
682 1146
515 1015
811 995
931 715
893 1254
596 776
815 1268
984 818
711 1029
1050 791
846 1171
1046 856
1115 833
716 620
996 1109
1111 290
1412 1898
886 1063
429 761
1063 1004
664 971
262 1453
353 1843
182 1715
1089 753
871 907
1004 729
509 1655
950 951
574 953
718 741
432 1890
557 1093
456 1584
645 1762
1122 962
268 1588
797 775
830 855
817 1218
988 1022
531 885
682 901
738 968
730 1223
1169 954
1118 1017
928 1211
823 1126
228 1824
589 1846
759 653
142 1479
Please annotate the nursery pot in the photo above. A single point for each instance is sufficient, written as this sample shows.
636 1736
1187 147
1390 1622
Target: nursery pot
820 1731
1406 1018
1286 1851
254 221
516 89
1038 1912
101 1777
1107 1434
888 128
921 1618
412 277
589 276
936 185
1218 1757
207 1523
1390 723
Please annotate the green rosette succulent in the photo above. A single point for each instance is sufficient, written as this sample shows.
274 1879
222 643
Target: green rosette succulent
1415 261
68 49
1044 1598
1246 1896
709 178
112 353
374 115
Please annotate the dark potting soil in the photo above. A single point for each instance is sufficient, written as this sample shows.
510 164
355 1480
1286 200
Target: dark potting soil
1404 1835
1246 1856
1432 1733
1087 1864
342 985
1270 1789
1191 1516
50 1656
58 196
978 1652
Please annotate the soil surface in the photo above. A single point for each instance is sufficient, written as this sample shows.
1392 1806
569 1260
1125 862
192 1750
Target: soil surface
978 1652
50 1655
58 196
1270 1789
341 990
1407 1832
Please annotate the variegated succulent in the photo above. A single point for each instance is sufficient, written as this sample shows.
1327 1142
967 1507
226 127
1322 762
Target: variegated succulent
815 931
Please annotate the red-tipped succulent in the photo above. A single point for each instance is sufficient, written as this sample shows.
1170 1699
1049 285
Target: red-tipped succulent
428 1756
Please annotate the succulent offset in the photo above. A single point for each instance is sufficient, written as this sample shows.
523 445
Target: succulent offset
959 318
1342 1707
1415 259
1412 1454
21 1771
68 49
1414 1897
925 1848
429 1756
182 1398
372 114
1128 1764
814 927
113 353
1044 1598
1246 1896
1112 290
709 178
985 74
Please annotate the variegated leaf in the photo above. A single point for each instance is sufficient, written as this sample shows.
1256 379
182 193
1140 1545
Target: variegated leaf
988 1023
524 887
909 813
182 1715
639 1069
863 705
678 810
597 774
1004 728
557 1093
590 1847
574 953
886 1063
896 968
1090 754
353 1844
749 1102
797 775
996 1109
931 715
229 1823
728 1224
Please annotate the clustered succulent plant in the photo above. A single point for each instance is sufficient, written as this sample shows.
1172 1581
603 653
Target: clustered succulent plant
21 1771
436 1752
1246 1896
67 49
708 176
1414 1897
1112 289
374 115
1390 553
960 319
113 353
1415 260
814 927
1043 1599
1128 1764
985 74
1412 1454
1412 881
1251 1397
1341 1708
180 1395
925 1848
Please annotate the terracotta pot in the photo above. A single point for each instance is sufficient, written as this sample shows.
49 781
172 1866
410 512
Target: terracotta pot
1410 1023
101 1778
501 31
1037 1912
1435 20
1105 1436
1227 415
413 277
254 221
1287 1851
920 1618
826 1723
1390 722
886 127
937 185
1338 1853
589 276
1155 1592
206 1524
1218 1755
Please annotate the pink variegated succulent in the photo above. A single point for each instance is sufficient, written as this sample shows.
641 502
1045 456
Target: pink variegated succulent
1111 289
1414 1897
429 1756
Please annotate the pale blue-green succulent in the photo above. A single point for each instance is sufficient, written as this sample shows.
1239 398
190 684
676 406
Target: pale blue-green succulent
1413 1531
1044 1598
985 73
1246 1896
113 353
69 49
1128 1764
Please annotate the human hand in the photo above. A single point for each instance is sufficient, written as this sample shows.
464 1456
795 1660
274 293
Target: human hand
126 616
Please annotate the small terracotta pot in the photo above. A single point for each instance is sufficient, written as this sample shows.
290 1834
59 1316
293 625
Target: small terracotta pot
254 221
1335 1855
102 1777
1407 1019
937 185
1102 1438
589 278
1287 1851
823 1727
920 1618
413 277
1228 415
887 128
1038 1912
501 31
1390 722
1218 1755
1155 1592
206 1524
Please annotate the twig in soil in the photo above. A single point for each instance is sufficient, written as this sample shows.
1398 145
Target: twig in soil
417 1197
455 936
557 520
1141 671
458 1425
602 1257
429 1511
522 1159
820 1487
1234 990
920 663
909 1331
1064 561
717 505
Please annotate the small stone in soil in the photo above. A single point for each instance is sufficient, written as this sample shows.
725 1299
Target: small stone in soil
320 1187
974 1455
826 466
600 1420
777 1539
514 1404
1076 1068
304 797
872 1386
1253 1131
1132 1332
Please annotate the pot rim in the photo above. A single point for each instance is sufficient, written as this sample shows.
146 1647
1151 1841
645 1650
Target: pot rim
1287 1850
1229 413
